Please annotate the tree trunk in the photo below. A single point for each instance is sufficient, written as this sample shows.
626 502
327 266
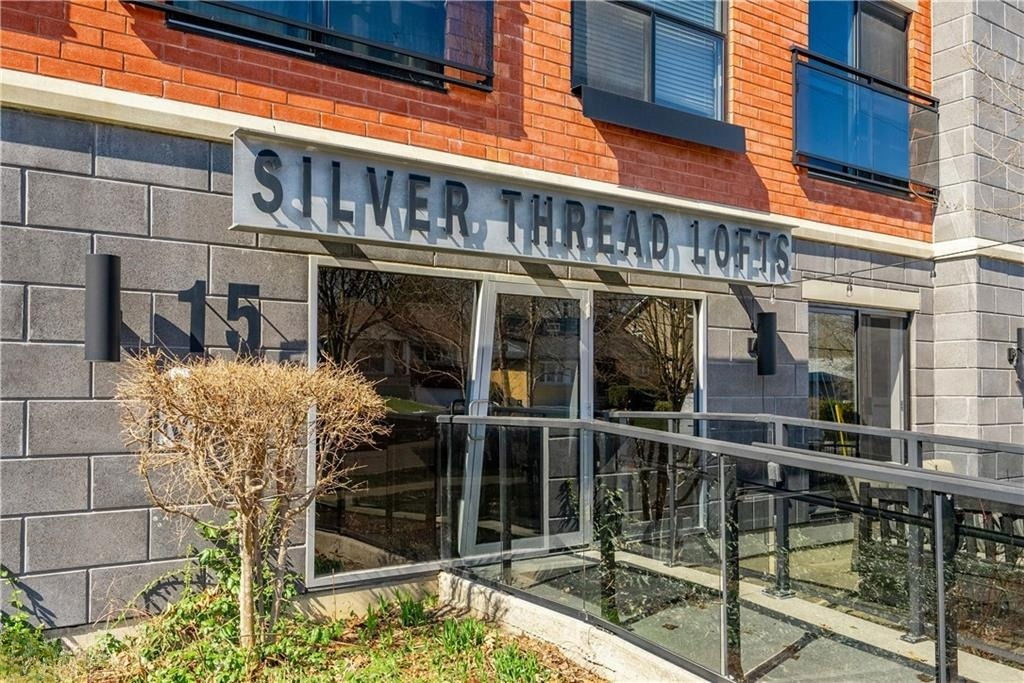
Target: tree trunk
248 546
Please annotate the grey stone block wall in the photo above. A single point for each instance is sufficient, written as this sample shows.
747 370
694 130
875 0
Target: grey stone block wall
76 524
78 528
978 71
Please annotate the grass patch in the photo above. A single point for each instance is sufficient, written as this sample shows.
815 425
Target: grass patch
402 640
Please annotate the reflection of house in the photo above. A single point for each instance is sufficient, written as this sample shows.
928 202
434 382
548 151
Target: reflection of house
408 368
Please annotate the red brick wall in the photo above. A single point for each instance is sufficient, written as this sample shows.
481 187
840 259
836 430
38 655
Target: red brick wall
530 119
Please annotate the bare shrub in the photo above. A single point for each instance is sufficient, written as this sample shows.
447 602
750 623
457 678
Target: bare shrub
233 435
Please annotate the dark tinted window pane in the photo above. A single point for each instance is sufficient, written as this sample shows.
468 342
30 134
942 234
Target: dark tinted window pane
686 69
414 25
703 12
831 29
611 48
883 43
412 335
308 12
535 367
643 353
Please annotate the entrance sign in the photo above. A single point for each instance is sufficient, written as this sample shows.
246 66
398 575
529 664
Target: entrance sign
282 186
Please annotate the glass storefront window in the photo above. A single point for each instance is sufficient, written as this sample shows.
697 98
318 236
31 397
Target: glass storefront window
535 367
831 366
412 335
856 375
643 353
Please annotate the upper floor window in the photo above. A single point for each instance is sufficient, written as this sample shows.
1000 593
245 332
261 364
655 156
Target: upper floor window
669 52
656 66
855 118
868 36
431 42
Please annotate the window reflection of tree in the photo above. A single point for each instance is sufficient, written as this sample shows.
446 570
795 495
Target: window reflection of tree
644 360
537 339
418 326
411 334
435 317
351 302
644 349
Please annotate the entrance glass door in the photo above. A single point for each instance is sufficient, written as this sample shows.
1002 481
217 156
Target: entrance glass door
857 374
881 388
531 351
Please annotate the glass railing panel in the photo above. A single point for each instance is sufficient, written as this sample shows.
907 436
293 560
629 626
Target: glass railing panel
736 431
984 463
516 509
830 579
849 123
747 568
985 589
844 442
656 567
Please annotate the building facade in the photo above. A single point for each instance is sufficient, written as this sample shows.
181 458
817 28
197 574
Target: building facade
796 156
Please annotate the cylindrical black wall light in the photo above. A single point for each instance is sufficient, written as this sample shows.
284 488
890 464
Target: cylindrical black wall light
103 308
766 342
1015 354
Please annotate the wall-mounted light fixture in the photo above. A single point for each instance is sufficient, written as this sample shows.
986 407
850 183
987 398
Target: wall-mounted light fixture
763 346
1015 354
103 308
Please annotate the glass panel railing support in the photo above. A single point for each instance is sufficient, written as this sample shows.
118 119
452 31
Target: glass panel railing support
505 506
781 589
856 127
944 546
915 549
730 531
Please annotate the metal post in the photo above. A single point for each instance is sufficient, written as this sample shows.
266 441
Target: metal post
782 588
944 546
673 522
915 555
446 506
778 432
731 570
504 505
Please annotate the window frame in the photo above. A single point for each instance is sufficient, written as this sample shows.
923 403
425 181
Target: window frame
650 8
187 20
648 116
488 283
906 319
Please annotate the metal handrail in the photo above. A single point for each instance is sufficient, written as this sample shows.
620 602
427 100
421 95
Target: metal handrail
867 430
927 480
868 80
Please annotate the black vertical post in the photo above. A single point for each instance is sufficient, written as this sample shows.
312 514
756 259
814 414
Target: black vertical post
731 568
944 546
673 482
103 308
504 505
782 588
915 551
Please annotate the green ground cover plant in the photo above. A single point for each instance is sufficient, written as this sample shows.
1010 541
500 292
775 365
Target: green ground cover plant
196 638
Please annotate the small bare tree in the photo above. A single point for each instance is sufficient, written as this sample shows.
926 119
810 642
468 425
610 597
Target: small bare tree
232 434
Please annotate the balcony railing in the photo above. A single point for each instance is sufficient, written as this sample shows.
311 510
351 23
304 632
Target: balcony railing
854 127
738 558
462 55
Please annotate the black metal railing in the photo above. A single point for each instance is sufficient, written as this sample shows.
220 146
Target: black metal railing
466 58
741 559
852 126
